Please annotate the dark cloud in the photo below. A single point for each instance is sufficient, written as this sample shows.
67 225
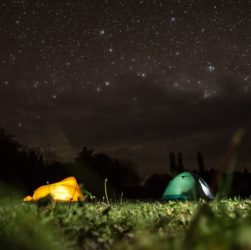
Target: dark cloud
139 119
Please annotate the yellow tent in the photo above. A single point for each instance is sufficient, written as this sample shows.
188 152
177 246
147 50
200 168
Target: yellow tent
65 190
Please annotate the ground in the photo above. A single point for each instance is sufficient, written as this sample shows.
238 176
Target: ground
224 224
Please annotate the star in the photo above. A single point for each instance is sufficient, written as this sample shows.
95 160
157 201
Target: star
141 74
172 19
206 94
98 89
211 68
102 32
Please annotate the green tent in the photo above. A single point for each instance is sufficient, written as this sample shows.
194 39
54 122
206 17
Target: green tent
187 186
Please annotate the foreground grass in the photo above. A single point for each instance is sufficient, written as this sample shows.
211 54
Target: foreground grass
223 224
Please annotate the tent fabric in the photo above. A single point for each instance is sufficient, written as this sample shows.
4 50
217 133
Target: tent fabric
65 190
187 186
27 198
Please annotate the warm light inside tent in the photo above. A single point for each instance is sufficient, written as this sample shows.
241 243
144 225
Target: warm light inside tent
61 193
65 190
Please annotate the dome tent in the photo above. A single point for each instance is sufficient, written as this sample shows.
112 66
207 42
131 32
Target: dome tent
65 190
187 186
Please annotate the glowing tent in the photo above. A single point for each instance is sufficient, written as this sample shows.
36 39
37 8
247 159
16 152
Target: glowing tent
187 186
65 190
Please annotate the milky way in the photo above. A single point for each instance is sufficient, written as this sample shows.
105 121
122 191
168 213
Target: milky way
134 79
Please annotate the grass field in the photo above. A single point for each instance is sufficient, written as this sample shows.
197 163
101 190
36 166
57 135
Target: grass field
224 224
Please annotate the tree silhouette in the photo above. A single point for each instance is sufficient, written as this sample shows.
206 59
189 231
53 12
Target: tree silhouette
173 165
155 185
100 166
23 167
10 156
180 162
200 161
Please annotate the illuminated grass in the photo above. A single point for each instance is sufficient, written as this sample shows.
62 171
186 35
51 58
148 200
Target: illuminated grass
223 224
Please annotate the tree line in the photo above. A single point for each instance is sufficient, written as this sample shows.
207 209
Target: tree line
27 168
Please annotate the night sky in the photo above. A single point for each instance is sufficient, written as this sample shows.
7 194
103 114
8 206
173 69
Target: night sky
133 79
